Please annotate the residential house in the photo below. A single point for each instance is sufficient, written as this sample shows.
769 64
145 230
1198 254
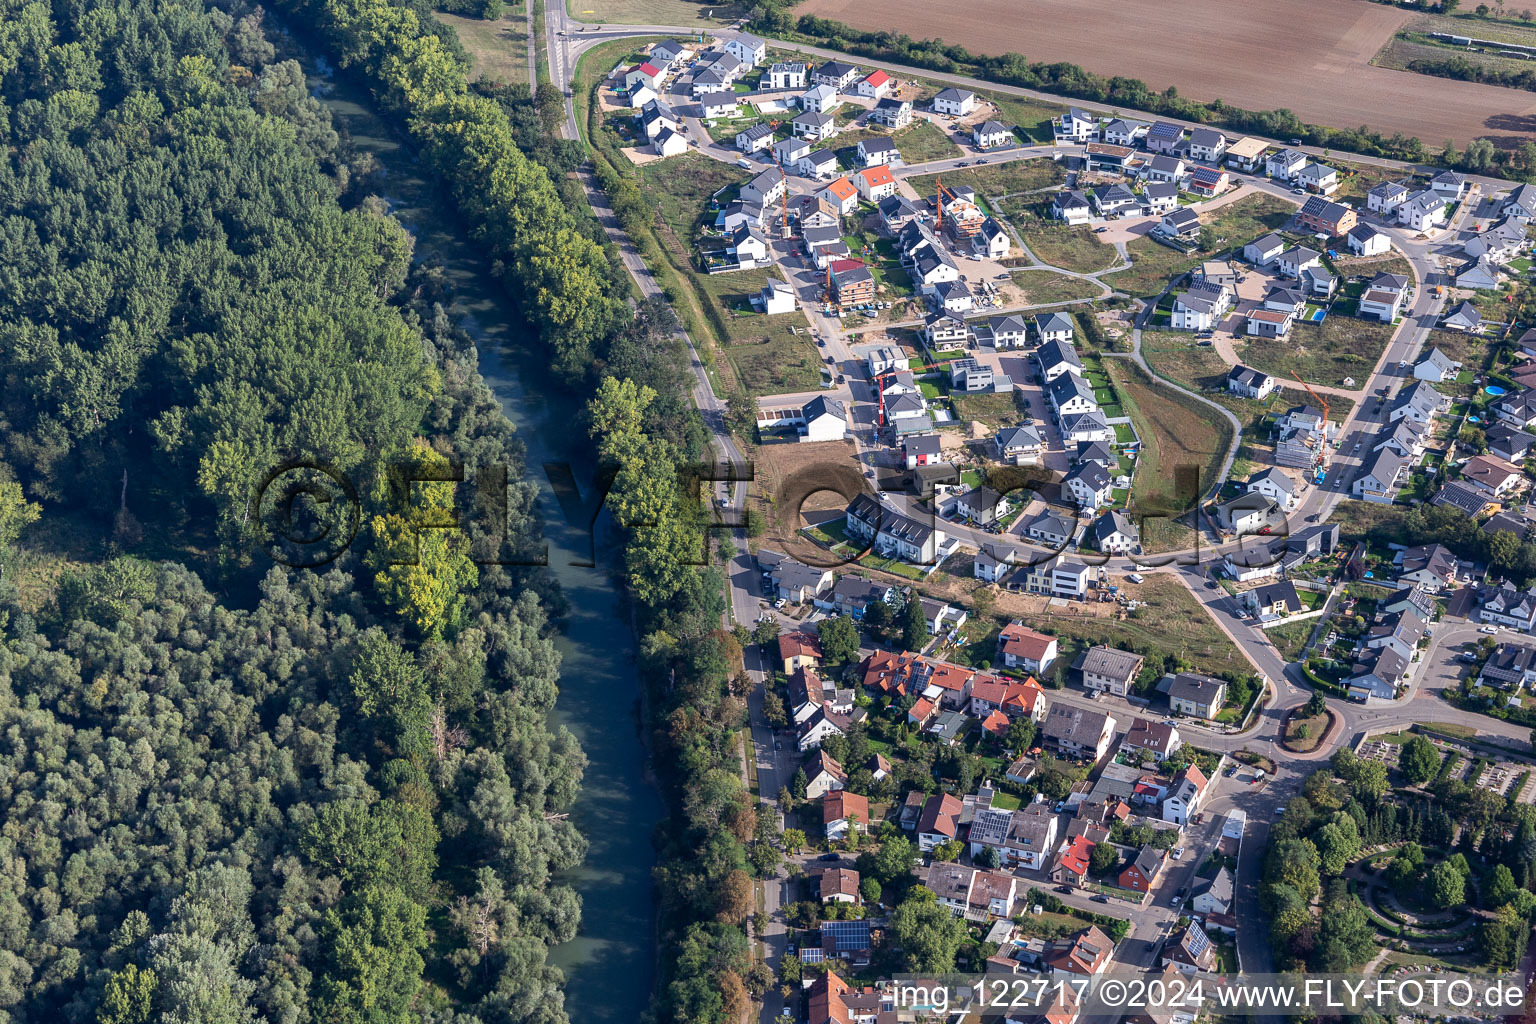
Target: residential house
1158 739
1274 484
1286 164
945 330
1449 184
894 535
790 75
1261 252
1508 443
875 183
1080 957
1068 394
1319 178
1191 952
717 104
922 450
954 102
875 151
982 505
1077 732
842 811
1050 528
1491 475
1247 154
1377 674
896 212
1056 329
835 74
1164 137
1518 408
821 723
813 126
853 287
1110 670
1088 484
765 188
1401 631
1293 261
1200 696
1500 242
939 822
1419 402
1115 534
1142 873
1054 577
1509 667
1207 145
1120 132
991 135
1365 240
1166 168
669 143
789 151
824 775
993 561
1248 513
1113 199
1072 206
1179 223
1273 600
1380 305
747 48
1520 204
1009 331
892 113
1026 649
992 241
1184 797
1200 307
875 85
1508 605
1088 426
1215 895
1387 197
1422 211
1269 323
1019 446
1250 383
1381 477
970 374
1076 126
1208 181
839 885
1479 275
842 194
759 136
799 650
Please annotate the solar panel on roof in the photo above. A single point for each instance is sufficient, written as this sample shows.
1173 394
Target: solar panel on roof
847 936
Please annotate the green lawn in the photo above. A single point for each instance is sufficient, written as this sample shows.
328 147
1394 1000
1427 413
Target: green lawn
997 179
1070 247
918 143
498 50
763 351
1235 225
1044 287
1322 353
1183 444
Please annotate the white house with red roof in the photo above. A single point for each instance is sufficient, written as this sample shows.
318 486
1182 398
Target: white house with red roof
841 811
939 822
841 194
644 73
1071 867
876 85
875 183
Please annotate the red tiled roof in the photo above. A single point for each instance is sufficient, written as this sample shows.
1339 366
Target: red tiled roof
877 78
797 645
842 188
1075 857
996 723
879 175
840 803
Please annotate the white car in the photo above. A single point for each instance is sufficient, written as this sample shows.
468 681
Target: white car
1134 577
1178 853
1489 629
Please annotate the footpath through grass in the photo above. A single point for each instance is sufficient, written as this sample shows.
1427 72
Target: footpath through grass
1234 226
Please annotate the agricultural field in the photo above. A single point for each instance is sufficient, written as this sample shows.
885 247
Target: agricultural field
656 12
1413 43
1260 47
1235 224
498 50
1325 353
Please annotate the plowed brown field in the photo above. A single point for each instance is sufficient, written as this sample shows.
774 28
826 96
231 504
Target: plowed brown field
1311 56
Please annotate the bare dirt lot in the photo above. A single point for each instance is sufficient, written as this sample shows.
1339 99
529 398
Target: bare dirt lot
1311 56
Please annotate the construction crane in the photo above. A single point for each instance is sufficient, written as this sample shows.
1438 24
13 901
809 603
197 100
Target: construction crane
938 204
1322 454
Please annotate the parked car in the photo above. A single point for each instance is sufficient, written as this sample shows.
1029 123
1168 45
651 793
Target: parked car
1489 629
1063 888
829 856
1101 899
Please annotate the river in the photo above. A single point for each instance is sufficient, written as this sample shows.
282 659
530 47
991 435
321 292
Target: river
611 966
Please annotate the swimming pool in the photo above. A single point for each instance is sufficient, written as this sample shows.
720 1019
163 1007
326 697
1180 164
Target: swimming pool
1317 316
1494 389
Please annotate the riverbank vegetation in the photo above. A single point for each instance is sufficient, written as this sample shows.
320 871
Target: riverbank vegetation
289 794
631 362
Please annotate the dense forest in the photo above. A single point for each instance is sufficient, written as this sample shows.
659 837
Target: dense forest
231 792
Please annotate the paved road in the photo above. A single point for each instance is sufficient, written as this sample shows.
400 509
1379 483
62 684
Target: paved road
1439 668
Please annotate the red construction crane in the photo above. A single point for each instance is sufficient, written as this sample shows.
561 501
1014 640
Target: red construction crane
783 209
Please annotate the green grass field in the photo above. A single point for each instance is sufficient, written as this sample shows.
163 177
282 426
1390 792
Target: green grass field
918 143
1235 225
996 179
498 50
1042 287
1324 353
1070 247
1183 444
